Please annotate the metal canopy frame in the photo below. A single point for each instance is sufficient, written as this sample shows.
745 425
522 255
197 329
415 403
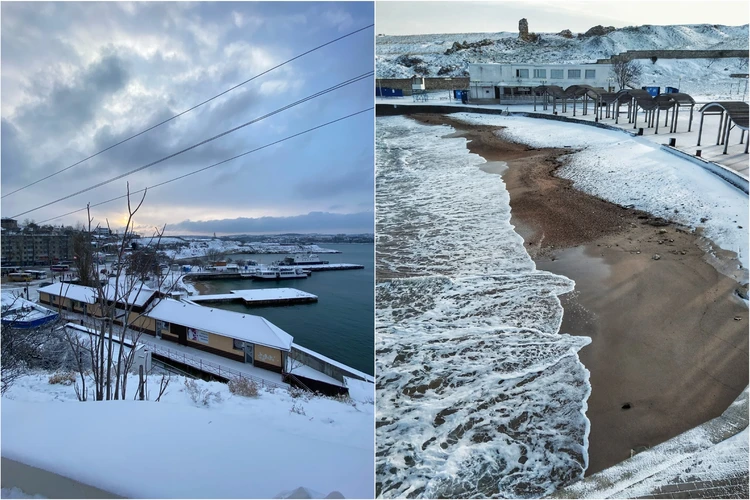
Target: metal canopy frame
731 114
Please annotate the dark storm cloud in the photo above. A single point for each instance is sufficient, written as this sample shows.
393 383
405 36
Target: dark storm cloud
314 222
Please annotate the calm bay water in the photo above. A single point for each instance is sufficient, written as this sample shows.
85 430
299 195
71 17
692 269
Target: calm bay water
341 324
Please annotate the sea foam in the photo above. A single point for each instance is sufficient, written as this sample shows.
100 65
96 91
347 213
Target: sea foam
478 395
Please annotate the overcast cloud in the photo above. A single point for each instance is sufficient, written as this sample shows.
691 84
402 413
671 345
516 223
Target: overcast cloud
78 77
551 16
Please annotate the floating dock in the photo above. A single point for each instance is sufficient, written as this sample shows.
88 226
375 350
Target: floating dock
206 275
330 267
259 297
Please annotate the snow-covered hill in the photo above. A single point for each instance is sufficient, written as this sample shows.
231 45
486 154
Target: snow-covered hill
425 54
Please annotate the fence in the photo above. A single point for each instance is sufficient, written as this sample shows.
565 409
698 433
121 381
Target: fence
208 367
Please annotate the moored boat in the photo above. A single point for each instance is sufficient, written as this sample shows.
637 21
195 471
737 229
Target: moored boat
279 273
302 260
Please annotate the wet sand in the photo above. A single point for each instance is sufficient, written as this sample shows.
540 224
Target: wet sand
669 336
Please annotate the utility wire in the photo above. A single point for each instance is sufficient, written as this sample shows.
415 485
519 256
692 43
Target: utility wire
188 110
213 165
148 165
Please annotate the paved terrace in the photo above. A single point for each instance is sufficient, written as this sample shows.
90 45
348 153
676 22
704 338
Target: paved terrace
735 159
695 464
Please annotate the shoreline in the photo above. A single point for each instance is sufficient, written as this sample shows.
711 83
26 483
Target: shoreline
669 344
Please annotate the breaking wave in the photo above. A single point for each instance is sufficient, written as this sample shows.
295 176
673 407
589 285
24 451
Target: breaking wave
478 395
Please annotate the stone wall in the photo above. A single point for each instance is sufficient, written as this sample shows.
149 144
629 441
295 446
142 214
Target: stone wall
676 54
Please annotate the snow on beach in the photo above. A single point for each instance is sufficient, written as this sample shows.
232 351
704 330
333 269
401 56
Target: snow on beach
235 448
477 392
697 455
634 171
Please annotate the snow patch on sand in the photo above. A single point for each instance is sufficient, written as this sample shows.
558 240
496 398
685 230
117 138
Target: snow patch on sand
634 171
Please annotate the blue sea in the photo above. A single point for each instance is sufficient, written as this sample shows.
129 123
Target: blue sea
341 324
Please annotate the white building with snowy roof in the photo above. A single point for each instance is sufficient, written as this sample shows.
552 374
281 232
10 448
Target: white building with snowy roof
515 80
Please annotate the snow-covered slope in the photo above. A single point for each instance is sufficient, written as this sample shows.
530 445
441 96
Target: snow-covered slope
235 447
505 47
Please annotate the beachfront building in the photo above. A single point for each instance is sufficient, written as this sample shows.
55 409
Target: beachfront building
85 300
516 81
241 337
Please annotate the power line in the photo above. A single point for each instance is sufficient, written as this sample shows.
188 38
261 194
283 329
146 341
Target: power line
279 110
188 110
213 165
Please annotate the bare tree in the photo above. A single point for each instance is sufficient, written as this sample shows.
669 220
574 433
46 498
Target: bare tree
626 73
114 323
214 255
83 253
712 61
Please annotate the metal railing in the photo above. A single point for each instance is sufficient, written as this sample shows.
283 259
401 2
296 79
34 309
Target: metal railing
209 367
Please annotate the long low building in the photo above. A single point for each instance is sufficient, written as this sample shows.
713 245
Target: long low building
241 337
509 81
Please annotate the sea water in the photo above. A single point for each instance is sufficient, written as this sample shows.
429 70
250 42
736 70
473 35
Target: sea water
340 324
478 394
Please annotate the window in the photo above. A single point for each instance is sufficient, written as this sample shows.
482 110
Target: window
590 74
522 73
557 73
574 73
238 344
540 73
161 325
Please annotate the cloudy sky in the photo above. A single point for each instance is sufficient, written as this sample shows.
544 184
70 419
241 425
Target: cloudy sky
414 18
79 77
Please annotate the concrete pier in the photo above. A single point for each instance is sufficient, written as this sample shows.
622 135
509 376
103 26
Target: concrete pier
259 297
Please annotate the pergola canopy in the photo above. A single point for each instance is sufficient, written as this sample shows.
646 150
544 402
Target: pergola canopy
737 111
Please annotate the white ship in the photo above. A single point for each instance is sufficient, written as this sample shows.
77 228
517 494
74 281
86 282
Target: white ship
302 260
279 273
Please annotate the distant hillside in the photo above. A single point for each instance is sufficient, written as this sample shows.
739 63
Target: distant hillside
404 56
703 78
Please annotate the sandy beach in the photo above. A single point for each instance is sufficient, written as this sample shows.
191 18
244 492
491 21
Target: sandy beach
669 336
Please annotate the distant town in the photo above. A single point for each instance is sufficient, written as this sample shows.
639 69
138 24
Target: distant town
31 244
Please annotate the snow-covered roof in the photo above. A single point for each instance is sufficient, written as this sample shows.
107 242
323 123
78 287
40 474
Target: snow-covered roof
89 295
247 327
71 291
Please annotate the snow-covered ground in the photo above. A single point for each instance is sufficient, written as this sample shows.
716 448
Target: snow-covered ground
704 79
635 171
199 247
714 451
236 447
505 47
16 493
